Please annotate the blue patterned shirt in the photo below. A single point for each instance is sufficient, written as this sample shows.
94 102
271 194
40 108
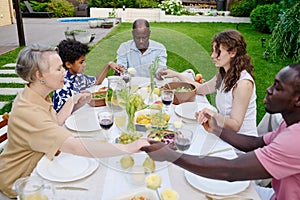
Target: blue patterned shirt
73 84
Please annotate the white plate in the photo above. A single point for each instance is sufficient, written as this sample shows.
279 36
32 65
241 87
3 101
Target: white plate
140 81
216 187
146 193
66 167
188 109
83 122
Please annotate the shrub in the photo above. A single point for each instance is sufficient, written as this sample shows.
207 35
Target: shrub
119 4
285 39
242 8
36 6
61 8
265 17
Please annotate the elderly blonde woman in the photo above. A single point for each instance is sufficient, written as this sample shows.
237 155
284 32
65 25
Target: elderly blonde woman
33 127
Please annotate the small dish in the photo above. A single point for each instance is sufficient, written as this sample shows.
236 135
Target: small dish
146 114
165 136
98 99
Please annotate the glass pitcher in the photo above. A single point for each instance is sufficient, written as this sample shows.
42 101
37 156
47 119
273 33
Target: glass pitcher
33 188
115 89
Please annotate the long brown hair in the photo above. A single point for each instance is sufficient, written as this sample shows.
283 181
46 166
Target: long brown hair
232 40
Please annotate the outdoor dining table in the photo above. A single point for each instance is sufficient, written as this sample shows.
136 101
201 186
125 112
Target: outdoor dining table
108 182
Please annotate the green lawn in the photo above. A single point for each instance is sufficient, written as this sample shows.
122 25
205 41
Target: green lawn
188 46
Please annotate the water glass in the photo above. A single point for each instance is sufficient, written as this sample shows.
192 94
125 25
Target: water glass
183 139
29 188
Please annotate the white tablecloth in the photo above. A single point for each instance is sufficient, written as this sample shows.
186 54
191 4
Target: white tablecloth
106 182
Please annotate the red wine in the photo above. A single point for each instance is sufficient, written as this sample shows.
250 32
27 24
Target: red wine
182 144
167 102
106 124
126 78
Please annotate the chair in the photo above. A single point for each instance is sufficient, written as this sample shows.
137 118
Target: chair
3 130
32 13
82 10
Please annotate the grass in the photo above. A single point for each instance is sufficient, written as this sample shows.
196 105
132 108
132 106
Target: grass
189 46
9 75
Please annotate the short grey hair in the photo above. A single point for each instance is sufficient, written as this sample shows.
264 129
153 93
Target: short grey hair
33 58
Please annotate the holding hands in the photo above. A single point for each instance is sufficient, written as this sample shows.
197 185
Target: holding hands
160 151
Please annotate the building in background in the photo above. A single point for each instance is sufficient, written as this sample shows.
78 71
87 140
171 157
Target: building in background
6 12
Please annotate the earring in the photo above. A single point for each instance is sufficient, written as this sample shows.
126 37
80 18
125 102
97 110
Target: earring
42 82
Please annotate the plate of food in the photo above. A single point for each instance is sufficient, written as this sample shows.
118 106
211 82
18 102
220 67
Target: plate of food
83 122
187 110
215 187
61 168
98 99
166 136
151 118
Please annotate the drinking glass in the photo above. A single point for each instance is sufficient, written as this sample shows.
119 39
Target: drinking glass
33 188
106 121
113 82
183 139
126 77
167 97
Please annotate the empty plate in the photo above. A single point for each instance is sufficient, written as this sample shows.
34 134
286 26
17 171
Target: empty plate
66 167
83 122
187 110
216 187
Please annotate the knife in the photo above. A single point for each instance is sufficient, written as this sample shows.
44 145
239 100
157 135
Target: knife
70 188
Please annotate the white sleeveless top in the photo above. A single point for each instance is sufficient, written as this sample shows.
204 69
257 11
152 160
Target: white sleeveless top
224 106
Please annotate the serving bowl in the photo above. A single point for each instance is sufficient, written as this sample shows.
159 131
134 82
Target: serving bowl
151 117
98 99
181 96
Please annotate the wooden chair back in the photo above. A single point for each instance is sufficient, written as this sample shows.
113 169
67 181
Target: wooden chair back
3 123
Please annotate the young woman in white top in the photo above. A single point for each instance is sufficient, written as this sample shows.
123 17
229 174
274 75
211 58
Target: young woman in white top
234 84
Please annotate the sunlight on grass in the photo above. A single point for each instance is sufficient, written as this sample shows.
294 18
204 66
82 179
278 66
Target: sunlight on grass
174 41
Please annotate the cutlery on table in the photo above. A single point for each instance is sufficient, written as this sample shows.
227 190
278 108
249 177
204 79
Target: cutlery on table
71 188
218 151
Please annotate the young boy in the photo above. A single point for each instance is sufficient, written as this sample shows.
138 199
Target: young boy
73 54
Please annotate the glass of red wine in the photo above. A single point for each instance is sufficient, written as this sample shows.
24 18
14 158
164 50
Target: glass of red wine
126 77
183 139
106 121
167 97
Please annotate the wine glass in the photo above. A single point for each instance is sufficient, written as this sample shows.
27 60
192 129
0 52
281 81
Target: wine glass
183 139
106 120
167 97
126 76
